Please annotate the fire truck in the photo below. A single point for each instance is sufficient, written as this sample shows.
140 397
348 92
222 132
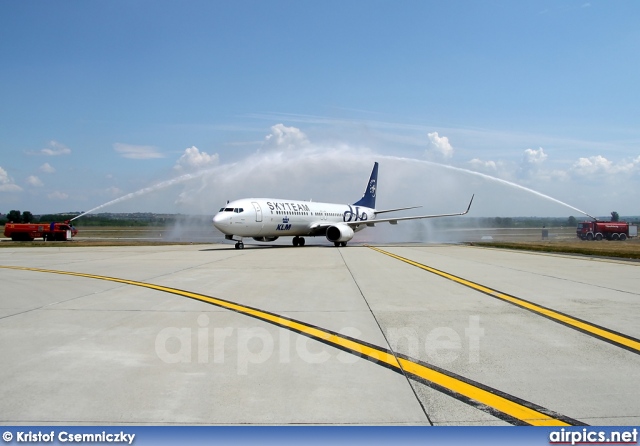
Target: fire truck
48 231
610 230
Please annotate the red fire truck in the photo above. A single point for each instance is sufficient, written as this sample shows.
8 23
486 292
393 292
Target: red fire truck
48 231
610 230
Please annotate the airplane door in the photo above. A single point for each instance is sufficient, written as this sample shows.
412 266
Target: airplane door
256 206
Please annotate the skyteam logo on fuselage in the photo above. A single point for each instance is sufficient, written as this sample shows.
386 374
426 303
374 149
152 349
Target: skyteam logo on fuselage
354 215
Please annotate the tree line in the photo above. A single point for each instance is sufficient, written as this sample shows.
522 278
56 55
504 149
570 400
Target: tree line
15 216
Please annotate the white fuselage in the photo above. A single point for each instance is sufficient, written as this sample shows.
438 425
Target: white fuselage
273 217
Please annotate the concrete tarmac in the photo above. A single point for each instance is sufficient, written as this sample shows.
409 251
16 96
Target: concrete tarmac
316 335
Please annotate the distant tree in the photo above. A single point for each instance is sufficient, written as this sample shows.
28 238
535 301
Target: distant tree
572 221
14 216
48 218
615 216
27 217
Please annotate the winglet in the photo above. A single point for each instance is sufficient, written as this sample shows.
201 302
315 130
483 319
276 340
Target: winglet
368 199
469 207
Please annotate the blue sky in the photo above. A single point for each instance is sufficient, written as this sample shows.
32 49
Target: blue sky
297 98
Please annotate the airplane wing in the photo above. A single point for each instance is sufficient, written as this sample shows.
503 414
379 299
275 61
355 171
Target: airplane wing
398 209
395 220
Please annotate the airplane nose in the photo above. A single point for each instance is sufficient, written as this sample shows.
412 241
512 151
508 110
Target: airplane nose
219 221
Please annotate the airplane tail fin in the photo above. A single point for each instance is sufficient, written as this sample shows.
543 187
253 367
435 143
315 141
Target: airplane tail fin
368 200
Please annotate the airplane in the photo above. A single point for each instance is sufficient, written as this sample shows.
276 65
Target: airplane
267 219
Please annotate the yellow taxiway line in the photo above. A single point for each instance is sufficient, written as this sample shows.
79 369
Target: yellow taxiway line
499 404
603 333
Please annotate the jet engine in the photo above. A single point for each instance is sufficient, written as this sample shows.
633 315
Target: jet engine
265 239
339 233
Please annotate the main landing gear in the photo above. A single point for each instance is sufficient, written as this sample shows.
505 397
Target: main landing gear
343 244
298 241
239 245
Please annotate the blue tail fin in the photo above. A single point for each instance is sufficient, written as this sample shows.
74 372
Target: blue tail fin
368 200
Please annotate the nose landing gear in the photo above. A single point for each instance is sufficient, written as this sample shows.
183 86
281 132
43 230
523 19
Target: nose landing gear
298 241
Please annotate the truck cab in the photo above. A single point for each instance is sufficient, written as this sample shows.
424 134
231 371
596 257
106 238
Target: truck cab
584 231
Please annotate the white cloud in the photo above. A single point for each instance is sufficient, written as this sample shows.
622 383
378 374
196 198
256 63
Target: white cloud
600 165
4 176
193 159
285 139
483 165
499 168
628 166
536 157
592 165
55 148
10 188
34 181
6 182
47 168
531 165
57 195
441 144
137 152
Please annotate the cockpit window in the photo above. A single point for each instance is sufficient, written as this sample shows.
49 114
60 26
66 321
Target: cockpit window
235 210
